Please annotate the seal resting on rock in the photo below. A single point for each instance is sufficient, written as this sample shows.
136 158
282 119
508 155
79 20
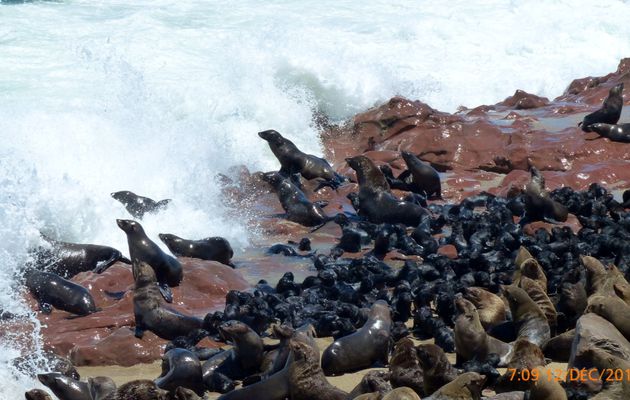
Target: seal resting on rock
149 312
539 206
212 248
137 206
616 133
51 290
422 178
293 161
362 349
168 270
610 111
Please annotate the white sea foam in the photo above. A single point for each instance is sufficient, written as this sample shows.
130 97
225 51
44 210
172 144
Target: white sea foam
157 97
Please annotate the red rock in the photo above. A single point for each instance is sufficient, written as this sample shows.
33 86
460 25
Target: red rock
522 100
448 250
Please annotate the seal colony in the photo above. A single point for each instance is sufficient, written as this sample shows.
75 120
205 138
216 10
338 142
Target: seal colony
517 287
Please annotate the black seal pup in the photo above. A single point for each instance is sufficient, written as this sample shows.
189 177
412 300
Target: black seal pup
167 269
610 111
68 259
211 248
293 161
51 290
149 312
137 206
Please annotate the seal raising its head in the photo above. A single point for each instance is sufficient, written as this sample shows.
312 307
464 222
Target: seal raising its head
610 111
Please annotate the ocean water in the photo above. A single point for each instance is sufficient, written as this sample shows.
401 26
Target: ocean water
158 97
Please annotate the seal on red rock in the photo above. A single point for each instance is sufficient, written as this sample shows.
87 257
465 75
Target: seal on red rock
471 340
149 312
68 259
361 349
306 378
610 111
167 269
137 206
51 290
293 161
212 248
437 370
616 133
376 202
539 206
421 178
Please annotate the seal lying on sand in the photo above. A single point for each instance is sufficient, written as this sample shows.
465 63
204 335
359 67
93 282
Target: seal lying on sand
137 206
293 161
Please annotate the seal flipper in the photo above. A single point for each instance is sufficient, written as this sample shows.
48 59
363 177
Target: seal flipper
124 260
166 292
102 266
115 295
334 185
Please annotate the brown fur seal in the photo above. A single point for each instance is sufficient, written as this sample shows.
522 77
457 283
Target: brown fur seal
293 161
522 255
539 206
525 356
613 309
376 202
420 177
101 387
531 269
139 390
546 388
401 393
530 320
37 394
616 133
558 348
306 378
65 388
490 307
181 367
471 340
436 368
149 311
137 206
361 349
168 270
539 295
296 205
68 259
607 364
212 248
50 290
610 111
405 367
374 383
466 386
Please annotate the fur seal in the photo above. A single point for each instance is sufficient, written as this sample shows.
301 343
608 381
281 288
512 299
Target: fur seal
376 202
613 309
525 356
558 348
530 320
610 111
137 206
142 389
422 178
490 307
373 383
180 367
405 368
531 269
306 378
437 370
471 340
149 312
101 387
545 388
168 270
212 248
51 290
539 295
539 206
401 393
65 388
297 206
68 259
366 346
293 161
37 394
616 133
466 386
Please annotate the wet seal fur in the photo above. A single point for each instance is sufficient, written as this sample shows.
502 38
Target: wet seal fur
64 387
296 205
51 290
610 111
211 248
539 206
376 202
167 269
181 367
149 312
293 161
422 177
616 133
471 339
530 321
362 349
137 206
68 259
